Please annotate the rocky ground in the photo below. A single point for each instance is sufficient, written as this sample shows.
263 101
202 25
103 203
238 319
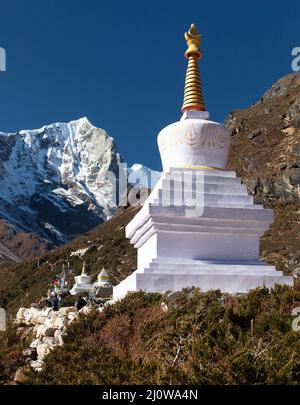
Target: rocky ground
265 152
46 328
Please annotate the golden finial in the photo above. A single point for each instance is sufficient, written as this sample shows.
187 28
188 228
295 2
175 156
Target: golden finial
193 99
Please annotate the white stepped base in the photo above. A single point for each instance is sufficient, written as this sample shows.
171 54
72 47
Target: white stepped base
207 199
231 278
199 229
200 267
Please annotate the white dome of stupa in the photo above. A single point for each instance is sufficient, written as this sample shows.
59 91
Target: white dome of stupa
194 143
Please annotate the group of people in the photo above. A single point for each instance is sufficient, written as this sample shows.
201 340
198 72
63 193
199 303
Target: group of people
53 302
80 303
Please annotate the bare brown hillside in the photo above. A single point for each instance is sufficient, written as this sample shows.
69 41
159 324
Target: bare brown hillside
107 247
265 152
18 246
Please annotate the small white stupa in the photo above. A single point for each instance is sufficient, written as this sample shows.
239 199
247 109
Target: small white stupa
103 288
198 227
83 283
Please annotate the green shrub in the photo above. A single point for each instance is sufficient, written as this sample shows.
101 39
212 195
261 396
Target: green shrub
203 338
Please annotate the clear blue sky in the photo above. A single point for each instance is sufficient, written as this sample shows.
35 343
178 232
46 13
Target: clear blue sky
121 64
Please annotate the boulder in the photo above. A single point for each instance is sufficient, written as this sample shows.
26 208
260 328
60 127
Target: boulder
256 137
47 312
26 318
43 349
287 186
67 310
59 323
49 331
72 316
20 315
37 317
31 353
294 112
35 343
50 341
29 316
59 337
294 178
37 365
86 310
295 149
44 330
50 322
41 331
260 185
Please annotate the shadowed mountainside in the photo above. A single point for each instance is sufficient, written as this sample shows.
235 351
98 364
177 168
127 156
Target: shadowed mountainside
18 246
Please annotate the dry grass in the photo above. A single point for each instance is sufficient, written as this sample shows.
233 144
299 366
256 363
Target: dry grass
203 338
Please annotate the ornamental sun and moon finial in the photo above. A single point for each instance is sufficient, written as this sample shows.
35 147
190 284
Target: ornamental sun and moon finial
193 99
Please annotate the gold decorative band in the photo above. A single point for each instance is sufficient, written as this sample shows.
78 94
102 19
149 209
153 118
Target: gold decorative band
201 167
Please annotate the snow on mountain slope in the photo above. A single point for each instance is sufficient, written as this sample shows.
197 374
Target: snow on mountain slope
54 181
48 179
141 176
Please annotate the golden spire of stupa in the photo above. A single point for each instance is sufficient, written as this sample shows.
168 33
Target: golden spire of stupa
83 268
193 99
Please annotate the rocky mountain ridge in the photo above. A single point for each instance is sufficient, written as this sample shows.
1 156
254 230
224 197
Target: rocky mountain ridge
49 179
265 152
55 184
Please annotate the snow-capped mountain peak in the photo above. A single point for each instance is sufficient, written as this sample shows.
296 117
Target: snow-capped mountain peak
49 179
51 172
141 176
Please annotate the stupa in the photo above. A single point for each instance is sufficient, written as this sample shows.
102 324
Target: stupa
103 288
83 283
198 227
